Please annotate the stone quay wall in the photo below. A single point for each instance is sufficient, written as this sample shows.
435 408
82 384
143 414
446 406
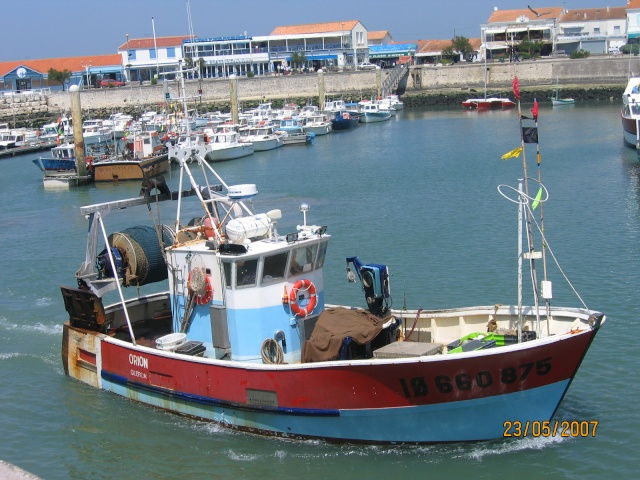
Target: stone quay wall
596 78
15 107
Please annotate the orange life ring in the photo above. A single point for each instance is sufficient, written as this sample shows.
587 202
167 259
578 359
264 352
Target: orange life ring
306 285
345 116
207 296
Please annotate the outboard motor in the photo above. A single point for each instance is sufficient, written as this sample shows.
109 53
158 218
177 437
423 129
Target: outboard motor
375 284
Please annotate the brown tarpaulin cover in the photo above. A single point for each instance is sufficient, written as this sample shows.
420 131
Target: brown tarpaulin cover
333 326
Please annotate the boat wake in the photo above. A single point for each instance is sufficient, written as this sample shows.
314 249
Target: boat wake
44 302
53 329
479 452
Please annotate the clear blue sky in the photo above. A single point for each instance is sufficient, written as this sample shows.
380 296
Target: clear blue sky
33 29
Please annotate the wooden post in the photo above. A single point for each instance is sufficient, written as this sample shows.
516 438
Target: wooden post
321 89
233 88
78 138
379 81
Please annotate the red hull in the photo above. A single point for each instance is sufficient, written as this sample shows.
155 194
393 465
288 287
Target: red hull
352 386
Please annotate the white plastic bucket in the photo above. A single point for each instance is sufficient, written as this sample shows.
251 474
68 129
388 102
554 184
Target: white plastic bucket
171 341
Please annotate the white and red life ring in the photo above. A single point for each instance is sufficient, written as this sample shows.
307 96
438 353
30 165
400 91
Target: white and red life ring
307 286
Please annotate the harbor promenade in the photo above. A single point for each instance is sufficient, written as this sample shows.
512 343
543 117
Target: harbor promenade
602 77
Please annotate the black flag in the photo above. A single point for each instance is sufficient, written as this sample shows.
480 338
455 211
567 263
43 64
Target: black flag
530 134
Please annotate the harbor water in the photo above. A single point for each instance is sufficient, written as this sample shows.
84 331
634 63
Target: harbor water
418 193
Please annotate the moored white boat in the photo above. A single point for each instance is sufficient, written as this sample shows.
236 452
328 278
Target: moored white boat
225 144
245 335
488 103
630 113
316 124
264 137
370 112
395 101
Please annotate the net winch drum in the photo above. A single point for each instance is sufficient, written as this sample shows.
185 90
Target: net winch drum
142 261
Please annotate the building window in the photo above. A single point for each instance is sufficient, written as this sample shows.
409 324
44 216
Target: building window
152 53
131 54
616 29
171 52
596 30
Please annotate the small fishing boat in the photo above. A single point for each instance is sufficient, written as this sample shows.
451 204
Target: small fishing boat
297 138
224 144
264 136
630 113
244 334
316 124
557 101
62 158
488 103
143 156
343 120
369 112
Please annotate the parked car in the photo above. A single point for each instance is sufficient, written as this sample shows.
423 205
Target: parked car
110 82
367 66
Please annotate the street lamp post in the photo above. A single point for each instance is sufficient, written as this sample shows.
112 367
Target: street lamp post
86 69
128 64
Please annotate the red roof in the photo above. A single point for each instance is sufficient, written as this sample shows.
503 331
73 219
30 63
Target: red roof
315 28
139 43
380 34
586 14
73 64
533 13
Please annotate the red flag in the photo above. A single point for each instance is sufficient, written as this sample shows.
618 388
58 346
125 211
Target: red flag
534 110
516 88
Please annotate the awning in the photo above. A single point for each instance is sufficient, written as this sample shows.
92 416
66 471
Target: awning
389 54
633 35
321 57
99 70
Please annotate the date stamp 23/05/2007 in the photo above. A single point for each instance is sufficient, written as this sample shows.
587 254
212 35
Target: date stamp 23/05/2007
562 428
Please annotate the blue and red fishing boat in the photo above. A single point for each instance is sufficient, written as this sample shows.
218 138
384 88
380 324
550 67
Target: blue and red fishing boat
243 334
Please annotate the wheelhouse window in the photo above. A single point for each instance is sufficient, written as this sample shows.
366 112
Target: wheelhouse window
322 252
302 259
274 267
227 273
246 272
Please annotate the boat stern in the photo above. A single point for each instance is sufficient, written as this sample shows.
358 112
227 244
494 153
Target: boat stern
81 354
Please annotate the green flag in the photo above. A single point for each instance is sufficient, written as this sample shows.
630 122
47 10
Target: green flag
535 203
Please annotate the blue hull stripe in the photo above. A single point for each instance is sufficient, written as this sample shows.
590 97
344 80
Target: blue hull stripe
469 420
199 399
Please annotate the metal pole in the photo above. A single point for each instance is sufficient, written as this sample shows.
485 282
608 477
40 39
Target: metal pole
155 46
520 217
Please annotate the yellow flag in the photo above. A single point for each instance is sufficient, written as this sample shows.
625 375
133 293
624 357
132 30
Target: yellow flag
513 153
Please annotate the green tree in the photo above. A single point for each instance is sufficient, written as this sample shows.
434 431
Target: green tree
461 45
298 59
59 76
449 54
532 48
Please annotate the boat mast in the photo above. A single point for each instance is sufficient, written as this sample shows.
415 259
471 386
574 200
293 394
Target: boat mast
530 254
